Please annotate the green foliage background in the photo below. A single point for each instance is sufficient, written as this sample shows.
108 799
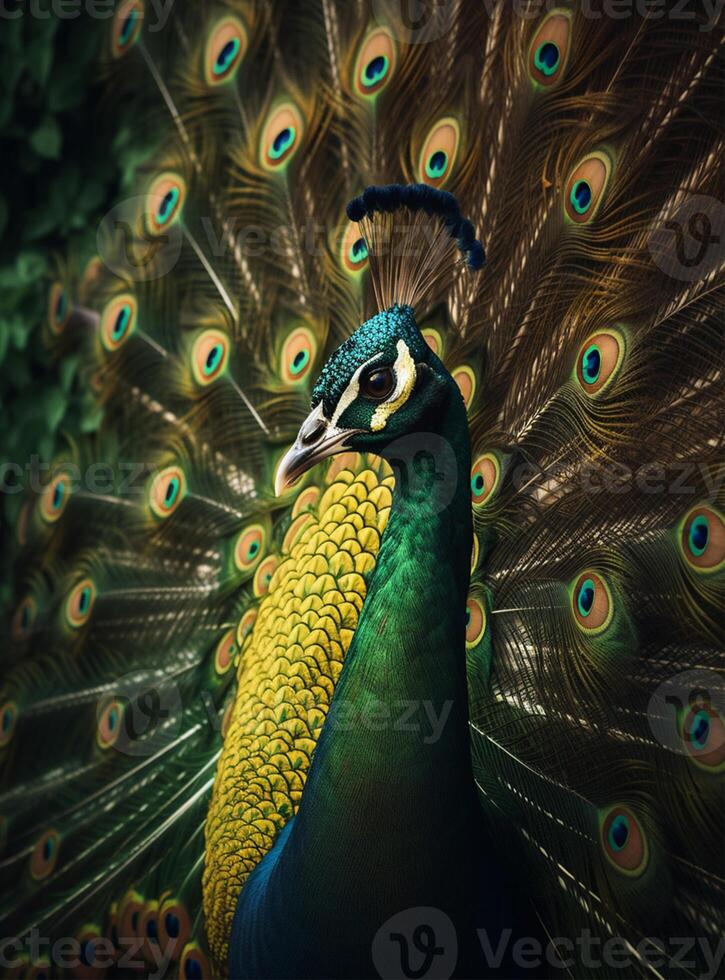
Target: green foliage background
66 154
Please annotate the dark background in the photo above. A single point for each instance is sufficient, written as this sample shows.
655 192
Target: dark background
65 155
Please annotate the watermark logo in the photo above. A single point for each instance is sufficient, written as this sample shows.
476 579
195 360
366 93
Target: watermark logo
425 467
416 21
133 256
419 943
688 242
151 712
683 696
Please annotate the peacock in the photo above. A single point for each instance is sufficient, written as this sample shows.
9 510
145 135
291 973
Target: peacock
376 631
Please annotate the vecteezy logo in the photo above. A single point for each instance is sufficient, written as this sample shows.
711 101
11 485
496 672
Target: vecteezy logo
129 250
424 465
417 943
149 712
688 242
682 709
416 21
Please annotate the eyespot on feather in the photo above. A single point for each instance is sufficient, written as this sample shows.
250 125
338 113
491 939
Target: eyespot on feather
225 49
148 929
702 539
294 531
250 546
438 156
599 361
79 604
92 954
623 840
59 307
164 202
45 854
245 626
118 321
434 340
24 618
465 378
549 48
126 28
354 250
375 63
281 137
298 356
485 478
194 965
166 491
475 622
592 603
129 917
54 498
263 576
209 356
110 721
225 652
585 187
305 501
174 927
703 736
8 721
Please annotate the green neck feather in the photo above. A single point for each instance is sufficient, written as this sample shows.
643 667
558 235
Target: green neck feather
389 809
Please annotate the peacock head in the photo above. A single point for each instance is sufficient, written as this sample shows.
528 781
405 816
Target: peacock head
380 384
385 382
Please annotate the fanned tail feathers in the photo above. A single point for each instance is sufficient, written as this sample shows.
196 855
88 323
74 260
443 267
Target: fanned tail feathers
591 367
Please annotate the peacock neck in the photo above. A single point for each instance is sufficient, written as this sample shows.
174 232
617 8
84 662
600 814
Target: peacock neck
389 809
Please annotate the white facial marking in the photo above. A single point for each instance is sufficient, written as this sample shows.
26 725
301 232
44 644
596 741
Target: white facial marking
405 375
350 393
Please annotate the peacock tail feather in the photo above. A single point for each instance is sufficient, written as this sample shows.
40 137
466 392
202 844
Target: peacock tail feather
178 630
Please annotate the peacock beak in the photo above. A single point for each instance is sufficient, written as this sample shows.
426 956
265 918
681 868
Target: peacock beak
317 439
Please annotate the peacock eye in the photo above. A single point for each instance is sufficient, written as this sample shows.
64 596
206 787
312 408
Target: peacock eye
702 539
375 63
127 25
592 603
164 202
475 622
166 491
55 497
79 603
439 152
194 964
109 724
58 307
703 734
45 855
209 356
8 719
485 478
225 48
280 137
118 321
354 252
586 186
378 384
623 840
225 652
249 547
549 49
298 353
599 360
